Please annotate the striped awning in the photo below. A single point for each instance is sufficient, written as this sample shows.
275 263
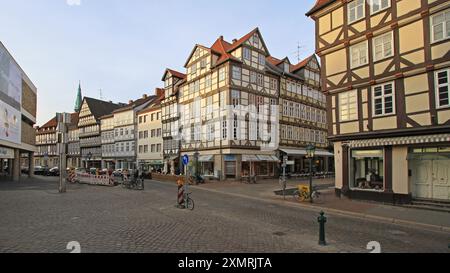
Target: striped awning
399 141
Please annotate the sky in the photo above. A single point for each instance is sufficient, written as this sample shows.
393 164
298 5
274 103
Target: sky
122 47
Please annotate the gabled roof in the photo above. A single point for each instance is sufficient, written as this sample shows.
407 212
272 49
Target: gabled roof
174 73
319 4
242 40
134 104
100 108
221 47
51 123
302 64
193 51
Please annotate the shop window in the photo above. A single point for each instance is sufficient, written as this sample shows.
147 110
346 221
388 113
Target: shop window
367 170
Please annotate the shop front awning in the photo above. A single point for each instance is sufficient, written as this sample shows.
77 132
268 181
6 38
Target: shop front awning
250 158
431 156
259 158
399 141
206 158
294 151
268 158
323 153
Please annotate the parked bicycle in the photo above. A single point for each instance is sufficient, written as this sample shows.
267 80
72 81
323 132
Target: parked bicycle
302 194
249 179
195 180
133 183
189 201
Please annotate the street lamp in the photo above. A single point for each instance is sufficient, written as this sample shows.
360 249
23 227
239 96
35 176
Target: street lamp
310 151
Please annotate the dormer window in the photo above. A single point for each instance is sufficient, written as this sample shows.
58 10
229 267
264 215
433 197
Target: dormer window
286 67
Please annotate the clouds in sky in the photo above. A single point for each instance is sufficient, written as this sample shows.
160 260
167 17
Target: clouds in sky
73 2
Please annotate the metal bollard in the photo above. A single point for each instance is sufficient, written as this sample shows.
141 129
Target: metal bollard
322 220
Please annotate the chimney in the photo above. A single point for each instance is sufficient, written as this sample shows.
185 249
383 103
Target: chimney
159 92
130 101
144 96
234 41
221 37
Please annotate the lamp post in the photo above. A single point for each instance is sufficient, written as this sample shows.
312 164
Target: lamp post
310 151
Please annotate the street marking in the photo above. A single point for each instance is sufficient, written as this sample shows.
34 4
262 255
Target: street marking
374 246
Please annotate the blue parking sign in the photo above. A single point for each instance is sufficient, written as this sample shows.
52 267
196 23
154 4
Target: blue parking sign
185 159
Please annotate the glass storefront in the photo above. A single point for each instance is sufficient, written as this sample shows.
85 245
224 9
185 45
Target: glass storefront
367 170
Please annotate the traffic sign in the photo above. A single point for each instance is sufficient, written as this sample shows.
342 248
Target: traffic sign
185 160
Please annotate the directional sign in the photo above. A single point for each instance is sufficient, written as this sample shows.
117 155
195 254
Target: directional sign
185 160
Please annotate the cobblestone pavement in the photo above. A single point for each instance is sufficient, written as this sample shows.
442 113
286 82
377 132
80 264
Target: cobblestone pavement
35 218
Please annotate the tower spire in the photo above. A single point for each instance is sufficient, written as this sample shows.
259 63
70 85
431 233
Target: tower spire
79 99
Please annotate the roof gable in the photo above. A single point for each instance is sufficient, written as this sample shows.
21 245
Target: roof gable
173 73
198 49
249 39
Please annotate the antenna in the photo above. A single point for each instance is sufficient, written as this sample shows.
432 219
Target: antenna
297 53
101 94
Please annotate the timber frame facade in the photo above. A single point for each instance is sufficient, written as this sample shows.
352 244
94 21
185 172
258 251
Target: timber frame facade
385 70
212 109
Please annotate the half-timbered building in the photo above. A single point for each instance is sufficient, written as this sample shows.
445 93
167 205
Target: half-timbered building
386 69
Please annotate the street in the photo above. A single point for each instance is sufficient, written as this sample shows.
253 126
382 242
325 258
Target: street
36 218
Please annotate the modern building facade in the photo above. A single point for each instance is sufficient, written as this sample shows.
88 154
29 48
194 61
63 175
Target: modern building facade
228 102
386 69
149 137
18 100
89 130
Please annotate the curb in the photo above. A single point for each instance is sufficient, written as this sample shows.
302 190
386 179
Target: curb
410 224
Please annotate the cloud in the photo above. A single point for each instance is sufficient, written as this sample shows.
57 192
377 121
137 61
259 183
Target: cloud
73 2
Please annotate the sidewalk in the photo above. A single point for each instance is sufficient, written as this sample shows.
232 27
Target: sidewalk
265 190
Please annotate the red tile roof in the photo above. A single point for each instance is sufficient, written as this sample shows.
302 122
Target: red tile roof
301 64
223 47
177 74
242 40
319 4
274 60
49 124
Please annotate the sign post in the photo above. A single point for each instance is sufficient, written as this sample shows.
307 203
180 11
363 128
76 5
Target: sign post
186 182
63 120
285 158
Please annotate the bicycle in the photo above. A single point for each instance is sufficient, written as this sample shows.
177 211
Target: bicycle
189 201
303 194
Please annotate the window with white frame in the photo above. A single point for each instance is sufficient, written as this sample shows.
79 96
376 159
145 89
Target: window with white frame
247 54
440 26
235 97
285 108
383 99
348 106
442 88
356 10
379 5
260 79
209 107
208 81
383 46
210 132
222 74
224 129
203 63
252 76
236 73
235 127
194 68
262 59
358 54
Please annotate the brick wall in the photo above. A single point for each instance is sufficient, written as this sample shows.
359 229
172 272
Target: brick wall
28 134
29 99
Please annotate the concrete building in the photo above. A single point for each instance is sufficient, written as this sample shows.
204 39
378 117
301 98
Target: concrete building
386 70
149 136
18 99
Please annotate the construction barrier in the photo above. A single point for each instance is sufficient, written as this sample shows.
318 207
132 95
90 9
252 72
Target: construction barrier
103 180
72 176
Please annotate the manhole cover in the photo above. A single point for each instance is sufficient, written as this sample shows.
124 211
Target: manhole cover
279 233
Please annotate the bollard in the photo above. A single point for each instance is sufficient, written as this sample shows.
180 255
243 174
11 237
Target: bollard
322 220
180 196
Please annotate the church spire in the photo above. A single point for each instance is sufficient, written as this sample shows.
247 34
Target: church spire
79 99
